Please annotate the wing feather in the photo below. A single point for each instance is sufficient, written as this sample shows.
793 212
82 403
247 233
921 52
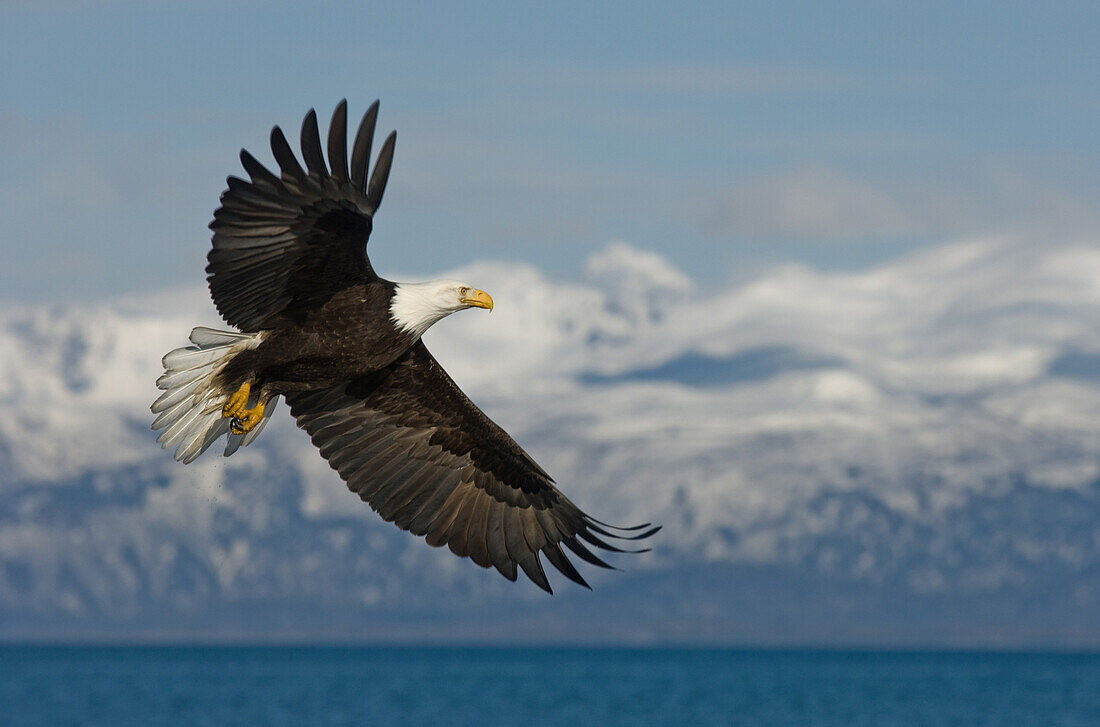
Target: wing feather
498 547
381 172
439 532
418 451
284 155
410 496
395 477
311 146
338 142
284 244
557 558
442 488
476 546
360 153
261 177
585 554
528 556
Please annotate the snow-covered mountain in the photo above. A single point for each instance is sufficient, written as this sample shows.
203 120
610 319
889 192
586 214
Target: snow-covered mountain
905 454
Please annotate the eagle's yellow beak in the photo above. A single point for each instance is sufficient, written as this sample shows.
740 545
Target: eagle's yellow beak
479 299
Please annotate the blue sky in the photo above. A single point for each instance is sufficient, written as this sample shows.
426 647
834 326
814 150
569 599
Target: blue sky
726 137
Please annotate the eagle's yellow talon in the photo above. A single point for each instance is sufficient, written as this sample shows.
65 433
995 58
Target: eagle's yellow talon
246 420
237 402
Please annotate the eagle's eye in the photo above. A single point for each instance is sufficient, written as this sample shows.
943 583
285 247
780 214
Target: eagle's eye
463 291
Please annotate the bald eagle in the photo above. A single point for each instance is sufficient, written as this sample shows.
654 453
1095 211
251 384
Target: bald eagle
318 327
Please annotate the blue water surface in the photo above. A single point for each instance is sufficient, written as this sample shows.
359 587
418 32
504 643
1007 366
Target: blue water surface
59 685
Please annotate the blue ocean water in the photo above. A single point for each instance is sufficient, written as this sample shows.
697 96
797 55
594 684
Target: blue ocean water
528 687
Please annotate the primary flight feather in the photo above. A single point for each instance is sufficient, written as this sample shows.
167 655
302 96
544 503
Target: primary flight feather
320 328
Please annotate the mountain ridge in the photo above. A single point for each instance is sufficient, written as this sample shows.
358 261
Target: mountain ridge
919 433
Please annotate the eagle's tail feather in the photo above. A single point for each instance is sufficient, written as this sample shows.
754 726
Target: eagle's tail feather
190 409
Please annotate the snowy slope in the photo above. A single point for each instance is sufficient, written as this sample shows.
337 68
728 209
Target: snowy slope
906 453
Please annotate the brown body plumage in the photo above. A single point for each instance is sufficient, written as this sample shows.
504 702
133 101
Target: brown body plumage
339 341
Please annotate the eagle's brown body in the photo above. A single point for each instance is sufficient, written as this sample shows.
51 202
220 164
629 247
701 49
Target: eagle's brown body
340 341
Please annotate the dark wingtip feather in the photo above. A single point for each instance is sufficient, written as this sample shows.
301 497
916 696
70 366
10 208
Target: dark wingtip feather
507 570
360 153
586 555
553 553
259 173
338 141
233 182
532 566
284 155
640 536
619 527
311 145
589 537
381 172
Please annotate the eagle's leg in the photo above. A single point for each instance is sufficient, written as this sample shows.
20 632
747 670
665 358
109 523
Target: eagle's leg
247 420
242 420
237 402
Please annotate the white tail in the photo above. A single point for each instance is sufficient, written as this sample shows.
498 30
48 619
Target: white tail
190 409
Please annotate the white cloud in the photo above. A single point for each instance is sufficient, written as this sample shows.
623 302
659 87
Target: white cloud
910 389
619 262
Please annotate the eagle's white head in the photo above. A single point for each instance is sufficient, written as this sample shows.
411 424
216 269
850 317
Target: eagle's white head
416 306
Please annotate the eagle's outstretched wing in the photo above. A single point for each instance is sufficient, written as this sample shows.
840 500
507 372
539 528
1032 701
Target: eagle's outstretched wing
414 447
284 245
